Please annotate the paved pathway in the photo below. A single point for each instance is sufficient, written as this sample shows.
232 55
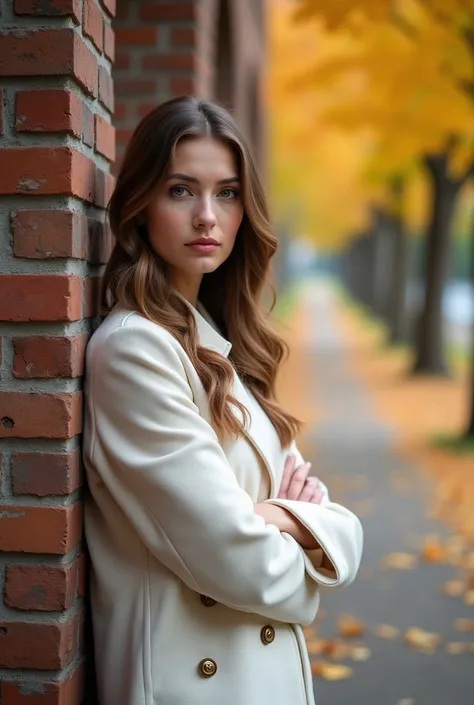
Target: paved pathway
353 451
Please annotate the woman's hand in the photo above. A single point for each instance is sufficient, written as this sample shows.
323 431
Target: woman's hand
296 485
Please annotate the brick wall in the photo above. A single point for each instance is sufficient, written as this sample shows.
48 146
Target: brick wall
209 48
57 146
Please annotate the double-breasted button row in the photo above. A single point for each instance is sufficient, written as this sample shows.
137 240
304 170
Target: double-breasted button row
207 667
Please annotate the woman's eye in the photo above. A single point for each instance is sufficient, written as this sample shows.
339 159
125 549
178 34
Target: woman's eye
229 193
179 191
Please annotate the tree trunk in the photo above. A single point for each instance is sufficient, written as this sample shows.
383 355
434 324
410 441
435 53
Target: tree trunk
469 434
430 353
382 264
397 316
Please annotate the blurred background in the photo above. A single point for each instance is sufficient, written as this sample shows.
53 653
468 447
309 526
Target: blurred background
371 176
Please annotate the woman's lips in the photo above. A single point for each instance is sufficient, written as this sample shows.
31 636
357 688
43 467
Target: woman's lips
203 248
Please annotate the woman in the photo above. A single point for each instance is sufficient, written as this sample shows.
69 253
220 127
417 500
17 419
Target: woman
207 539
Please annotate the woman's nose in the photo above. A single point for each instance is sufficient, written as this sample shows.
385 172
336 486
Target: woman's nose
205 215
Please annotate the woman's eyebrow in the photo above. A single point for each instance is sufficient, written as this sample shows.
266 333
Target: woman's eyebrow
192 179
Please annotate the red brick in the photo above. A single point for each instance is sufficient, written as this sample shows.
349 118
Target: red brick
69 691
93 25
42 588
42 529
110 6
48 52
109 41
40 415
184 36
104 138
122 61
86 67
136 36
104 186
130 86
92 306
106 89
100 242
168 62
42 171
52 8
49 234
41 646
121 110
48 111
180 85
44 474
164 10
43 357
40 297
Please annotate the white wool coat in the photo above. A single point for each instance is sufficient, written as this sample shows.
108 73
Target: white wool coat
195 600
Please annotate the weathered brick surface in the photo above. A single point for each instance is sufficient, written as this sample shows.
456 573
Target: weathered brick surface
67 691
43 474
38 356
94 23
40 415
46 234
41 171
52 8
40 297
40 529
104 138
42 588
49 111
40 646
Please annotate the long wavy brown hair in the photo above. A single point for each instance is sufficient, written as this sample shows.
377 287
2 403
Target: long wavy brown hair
137 278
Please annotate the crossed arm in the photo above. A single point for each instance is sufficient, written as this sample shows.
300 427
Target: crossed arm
163 465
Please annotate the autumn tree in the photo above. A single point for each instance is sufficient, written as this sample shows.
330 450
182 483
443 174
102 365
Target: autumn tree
413 59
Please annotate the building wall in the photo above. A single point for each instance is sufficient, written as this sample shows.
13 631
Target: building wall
210 48
57 125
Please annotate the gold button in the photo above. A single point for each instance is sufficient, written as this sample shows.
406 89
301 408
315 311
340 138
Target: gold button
267 635
208 601
207 667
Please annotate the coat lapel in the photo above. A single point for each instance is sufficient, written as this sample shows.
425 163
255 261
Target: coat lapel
266 444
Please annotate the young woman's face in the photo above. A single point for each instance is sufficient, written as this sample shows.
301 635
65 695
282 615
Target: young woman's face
195 216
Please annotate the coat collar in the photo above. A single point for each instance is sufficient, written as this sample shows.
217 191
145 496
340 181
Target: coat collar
209 336
266 445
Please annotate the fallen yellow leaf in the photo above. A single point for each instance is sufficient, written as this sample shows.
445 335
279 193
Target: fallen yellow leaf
433 551
469 597
360 653
464 625
350 627
453 588
386 631
400 561
331 671
315 646
457 647
426 642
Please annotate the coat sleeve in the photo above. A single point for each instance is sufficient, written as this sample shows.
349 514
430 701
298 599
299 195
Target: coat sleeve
336 529
163 465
